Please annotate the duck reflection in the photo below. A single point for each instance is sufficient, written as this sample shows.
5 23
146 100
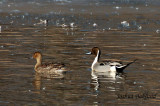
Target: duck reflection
40 76
37 82
98 77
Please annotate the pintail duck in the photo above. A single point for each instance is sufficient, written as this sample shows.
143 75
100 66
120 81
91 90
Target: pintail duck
107 66
50 68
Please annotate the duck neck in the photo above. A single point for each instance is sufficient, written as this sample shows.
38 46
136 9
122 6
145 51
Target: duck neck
39 62
96 59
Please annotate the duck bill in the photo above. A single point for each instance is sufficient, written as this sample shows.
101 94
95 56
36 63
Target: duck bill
88 53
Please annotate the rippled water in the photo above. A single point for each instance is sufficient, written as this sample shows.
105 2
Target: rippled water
124 30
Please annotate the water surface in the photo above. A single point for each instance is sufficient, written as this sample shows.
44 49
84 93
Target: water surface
124 30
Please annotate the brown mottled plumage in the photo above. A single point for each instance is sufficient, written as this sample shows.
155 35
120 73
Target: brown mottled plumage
47 68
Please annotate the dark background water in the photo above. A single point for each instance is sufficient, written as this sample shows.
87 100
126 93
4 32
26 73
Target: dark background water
124 30
142 15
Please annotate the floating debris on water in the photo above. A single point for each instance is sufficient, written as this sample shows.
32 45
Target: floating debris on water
23 16
117 7
43 21
94 25
2 46
139 27
72 25
11 22
64 25
44 88
157 31
9 5
125 24
137 8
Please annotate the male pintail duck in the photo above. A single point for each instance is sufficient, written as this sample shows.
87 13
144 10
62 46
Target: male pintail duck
107 66
50 68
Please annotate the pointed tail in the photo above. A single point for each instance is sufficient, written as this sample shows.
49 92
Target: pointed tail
120 69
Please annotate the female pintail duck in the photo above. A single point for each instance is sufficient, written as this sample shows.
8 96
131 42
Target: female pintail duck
107 66
50 68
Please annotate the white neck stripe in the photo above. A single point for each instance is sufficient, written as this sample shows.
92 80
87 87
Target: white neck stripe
96 59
